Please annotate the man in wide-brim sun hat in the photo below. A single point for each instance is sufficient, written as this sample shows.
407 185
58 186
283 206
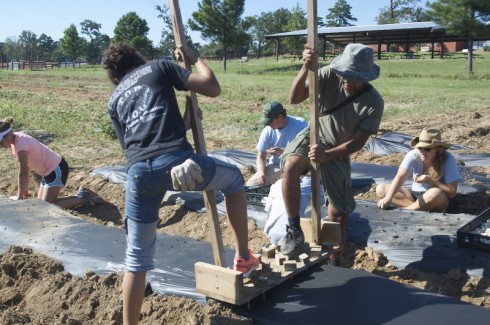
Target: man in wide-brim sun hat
434 172
350 112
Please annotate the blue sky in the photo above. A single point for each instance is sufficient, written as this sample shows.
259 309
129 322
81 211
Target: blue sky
54 16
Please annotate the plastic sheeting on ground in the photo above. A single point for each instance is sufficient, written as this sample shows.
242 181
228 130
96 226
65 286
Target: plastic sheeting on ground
320 294
424 240
333 295
372 227
83 246
392 142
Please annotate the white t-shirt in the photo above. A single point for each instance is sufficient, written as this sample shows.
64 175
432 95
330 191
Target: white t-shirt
275 226
414 165
270 138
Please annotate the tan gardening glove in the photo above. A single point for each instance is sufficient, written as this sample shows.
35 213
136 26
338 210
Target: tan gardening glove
186 175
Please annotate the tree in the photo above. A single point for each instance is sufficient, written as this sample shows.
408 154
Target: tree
167 41
134 30
46 46
265 24
220 22
10 47
339 15
297 20
401 11
28 44
463 17
97 41
71 44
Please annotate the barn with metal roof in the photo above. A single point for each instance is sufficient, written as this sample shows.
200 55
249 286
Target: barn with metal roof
404 33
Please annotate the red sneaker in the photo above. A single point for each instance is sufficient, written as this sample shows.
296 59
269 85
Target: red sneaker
246 267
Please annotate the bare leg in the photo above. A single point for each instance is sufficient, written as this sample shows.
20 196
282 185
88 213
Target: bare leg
294 167
336 215
403 198
236 209
51 195
433 200
133 293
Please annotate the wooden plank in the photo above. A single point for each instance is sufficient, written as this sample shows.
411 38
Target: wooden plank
229 286
199 142
312 40
219 283
329 231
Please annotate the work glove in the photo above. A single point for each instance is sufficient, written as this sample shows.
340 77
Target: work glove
186 175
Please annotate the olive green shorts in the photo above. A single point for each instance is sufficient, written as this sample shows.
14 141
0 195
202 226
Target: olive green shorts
335 175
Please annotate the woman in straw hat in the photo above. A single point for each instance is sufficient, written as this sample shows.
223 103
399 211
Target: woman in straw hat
435 176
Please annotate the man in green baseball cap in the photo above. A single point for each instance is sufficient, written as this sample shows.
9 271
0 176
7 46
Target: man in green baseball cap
280 128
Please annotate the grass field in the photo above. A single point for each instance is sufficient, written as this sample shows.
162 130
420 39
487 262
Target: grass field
70 104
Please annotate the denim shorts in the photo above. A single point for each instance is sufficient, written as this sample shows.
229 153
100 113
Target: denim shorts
57 177
147 183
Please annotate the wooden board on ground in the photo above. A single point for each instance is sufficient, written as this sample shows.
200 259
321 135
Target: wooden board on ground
227 285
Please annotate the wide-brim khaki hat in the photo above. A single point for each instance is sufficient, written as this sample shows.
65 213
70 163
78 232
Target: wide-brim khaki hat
429 138
356 63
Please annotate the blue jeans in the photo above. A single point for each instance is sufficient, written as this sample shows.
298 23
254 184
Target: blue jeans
147 183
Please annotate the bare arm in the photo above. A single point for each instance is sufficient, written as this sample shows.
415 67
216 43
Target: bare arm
203 81
449 188
395 186
261 156
299 88
318 152
298 91
23 179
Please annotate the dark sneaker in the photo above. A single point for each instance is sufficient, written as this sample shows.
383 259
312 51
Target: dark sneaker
334 261
292 243
246 267
90 197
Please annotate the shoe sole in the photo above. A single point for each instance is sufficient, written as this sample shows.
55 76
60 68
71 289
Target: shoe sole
334 262
295 252
249 272
93 198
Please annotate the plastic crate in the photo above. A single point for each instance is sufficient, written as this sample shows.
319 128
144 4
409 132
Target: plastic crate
256 195
466 237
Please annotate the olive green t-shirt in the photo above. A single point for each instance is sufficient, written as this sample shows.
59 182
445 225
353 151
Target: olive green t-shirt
363 113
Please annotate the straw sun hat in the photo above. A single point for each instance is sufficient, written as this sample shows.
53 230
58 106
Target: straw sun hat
429 138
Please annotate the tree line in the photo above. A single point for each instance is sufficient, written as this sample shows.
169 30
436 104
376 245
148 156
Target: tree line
230 34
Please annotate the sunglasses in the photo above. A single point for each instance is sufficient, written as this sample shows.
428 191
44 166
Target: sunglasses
425 149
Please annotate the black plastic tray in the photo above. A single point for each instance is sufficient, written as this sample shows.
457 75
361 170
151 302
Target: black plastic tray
256 194
471 240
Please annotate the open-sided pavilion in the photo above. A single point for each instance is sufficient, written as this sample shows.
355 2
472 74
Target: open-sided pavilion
404 33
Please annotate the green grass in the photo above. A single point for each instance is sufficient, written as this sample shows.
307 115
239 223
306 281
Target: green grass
70 104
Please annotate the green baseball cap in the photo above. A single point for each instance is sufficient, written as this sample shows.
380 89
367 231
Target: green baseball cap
271 110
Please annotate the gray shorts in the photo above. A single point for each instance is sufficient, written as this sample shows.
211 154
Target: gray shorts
335 175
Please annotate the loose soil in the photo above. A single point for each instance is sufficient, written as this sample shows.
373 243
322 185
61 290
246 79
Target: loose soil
35 289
